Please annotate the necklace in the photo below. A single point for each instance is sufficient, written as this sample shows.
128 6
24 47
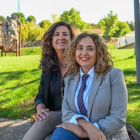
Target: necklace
63 65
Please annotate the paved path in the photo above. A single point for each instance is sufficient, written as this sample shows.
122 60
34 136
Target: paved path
16 129
13 129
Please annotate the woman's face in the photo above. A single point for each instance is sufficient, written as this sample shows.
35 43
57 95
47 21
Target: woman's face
86 53
61 38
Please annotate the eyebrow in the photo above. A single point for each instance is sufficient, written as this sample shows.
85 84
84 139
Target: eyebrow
62 32
90 46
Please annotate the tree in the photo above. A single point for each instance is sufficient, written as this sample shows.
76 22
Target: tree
31 19
34 32
21 16
123 29
2 18
54 18
131 25
109 25
31 32
24 31
45 24
73 17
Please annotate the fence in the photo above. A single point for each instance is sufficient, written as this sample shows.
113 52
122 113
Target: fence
124 41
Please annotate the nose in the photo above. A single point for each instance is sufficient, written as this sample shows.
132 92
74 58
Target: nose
84 52
61 37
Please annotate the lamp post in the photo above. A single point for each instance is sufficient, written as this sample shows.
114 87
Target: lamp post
137 38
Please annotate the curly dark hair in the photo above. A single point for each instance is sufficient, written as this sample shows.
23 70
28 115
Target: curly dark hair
49 60
104 61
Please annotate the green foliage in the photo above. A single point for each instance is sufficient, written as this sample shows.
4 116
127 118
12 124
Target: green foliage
2 18
31 32
94 26
54 18
24 32
35 32
45 24
109 25
73 17
131 25
123 29
31 19
21 16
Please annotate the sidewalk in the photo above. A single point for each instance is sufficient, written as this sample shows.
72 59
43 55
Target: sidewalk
16 129
13 129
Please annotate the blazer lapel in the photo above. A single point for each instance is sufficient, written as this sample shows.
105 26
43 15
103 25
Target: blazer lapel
93 91
72 90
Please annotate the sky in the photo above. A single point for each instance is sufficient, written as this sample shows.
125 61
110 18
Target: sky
91 11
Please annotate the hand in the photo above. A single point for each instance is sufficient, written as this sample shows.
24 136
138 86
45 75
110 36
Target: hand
41 114
92 131
77 130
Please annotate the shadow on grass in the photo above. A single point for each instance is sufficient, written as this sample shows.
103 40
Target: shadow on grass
130 57
128 72
29 53
13 75
21 85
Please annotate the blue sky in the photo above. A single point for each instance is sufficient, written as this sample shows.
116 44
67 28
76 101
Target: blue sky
91 11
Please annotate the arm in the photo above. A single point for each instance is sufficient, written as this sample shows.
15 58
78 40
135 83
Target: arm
92 131
118 109
39 97
39 102
67 112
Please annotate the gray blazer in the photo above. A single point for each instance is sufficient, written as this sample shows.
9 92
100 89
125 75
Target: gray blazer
107 103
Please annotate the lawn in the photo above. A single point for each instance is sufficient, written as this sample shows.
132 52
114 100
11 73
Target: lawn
20 77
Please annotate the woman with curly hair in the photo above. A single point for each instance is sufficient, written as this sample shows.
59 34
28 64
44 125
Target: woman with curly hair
54 66
95 101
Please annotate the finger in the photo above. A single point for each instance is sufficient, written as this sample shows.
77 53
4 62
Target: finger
44 111
47 109
67 128
103 137
60 125
36 119
41 115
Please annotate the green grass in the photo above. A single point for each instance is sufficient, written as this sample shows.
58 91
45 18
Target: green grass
126 60
111 46
20 77
26 51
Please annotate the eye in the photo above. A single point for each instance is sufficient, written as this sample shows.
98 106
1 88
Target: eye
65 34
56 34
90 49
79 48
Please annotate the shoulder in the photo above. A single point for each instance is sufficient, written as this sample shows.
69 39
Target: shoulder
72 77
115 70
69 78
115 75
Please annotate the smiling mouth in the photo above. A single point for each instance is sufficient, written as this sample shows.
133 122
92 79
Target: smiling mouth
61 43
84 58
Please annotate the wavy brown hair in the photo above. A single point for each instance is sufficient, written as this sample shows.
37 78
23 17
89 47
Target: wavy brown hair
49 60
103 63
